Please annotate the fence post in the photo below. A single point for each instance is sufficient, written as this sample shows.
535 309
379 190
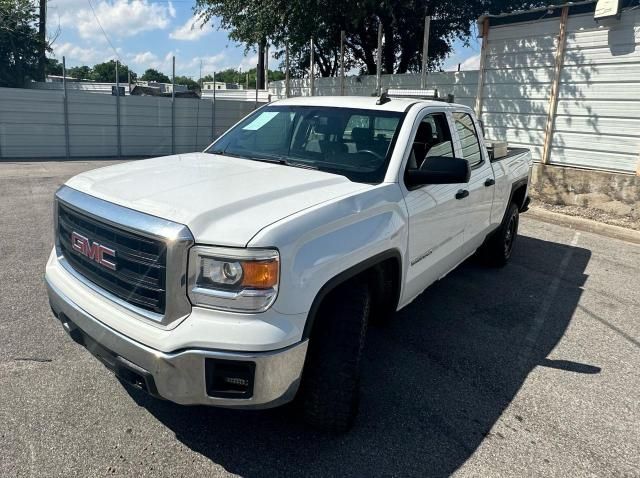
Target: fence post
173 106
555 86
255 105
65 107
118 112
213 122
342 35
379 61
425 52
483 57
286 70
311 71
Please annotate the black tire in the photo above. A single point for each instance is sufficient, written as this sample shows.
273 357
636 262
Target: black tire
383 305
497 250
329 393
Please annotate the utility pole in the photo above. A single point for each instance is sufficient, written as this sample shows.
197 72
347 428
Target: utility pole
266 67
42 35
260 67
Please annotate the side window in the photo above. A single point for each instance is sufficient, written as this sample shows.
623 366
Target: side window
433 138
468 138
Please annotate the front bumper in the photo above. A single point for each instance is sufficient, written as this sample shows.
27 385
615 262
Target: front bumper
180 376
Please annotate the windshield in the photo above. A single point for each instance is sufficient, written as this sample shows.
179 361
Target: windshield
356 143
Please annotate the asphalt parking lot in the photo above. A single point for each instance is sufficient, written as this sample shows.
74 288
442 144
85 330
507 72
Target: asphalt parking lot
532 370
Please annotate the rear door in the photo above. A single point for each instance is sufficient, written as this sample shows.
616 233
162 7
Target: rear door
481 186
436 217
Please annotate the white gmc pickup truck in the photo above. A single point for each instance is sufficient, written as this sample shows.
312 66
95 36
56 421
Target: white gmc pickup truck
245 276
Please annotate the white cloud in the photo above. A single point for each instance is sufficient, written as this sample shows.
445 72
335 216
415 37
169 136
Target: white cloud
471 63
193 29
77 54
119 18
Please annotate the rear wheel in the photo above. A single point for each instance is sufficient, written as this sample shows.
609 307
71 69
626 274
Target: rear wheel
331 379
498 249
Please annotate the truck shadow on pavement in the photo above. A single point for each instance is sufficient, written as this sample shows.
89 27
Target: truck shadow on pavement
435 380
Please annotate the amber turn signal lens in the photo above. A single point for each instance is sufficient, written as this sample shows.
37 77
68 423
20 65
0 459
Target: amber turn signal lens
260 274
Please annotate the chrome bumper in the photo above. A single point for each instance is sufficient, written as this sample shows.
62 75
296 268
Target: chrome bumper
180 376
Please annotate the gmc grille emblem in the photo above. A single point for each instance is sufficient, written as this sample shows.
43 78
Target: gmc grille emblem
93 250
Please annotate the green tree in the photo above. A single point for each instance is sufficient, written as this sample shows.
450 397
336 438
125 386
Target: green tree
190 84
19 43
81 72
106 72
253 22
53 67
155 75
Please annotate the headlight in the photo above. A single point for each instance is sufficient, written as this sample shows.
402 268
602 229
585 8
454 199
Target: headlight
233 279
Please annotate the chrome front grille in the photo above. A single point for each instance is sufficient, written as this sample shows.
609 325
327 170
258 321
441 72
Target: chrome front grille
140 262
145 261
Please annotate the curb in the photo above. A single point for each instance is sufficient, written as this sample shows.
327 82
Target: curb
582 224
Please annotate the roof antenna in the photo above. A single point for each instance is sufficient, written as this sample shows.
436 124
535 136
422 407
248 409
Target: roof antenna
384 98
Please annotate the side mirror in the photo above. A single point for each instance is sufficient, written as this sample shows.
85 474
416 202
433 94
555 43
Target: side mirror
439 170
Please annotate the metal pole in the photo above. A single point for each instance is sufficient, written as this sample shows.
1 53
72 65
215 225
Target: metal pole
214 106
379 61
66 107
173 106
425 52
311 71
342 35
266 67
118 111
255 106
287 91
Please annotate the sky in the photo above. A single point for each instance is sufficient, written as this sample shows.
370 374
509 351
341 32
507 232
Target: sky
148 33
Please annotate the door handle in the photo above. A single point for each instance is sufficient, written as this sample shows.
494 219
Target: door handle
489 182
463 193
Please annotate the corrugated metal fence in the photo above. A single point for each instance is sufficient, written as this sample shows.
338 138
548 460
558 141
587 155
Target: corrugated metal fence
596 124
33 124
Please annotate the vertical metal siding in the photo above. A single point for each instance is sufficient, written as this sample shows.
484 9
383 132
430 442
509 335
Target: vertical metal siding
598 119
517 86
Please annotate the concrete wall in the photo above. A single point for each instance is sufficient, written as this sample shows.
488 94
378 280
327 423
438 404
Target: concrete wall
615 194
32 123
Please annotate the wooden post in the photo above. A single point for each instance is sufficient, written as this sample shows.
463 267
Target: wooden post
555 87
483 58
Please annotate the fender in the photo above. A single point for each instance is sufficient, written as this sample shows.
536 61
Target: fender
343 277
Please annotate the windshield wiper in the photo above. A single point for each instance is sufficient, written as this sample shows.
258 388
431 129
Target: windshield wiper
282 161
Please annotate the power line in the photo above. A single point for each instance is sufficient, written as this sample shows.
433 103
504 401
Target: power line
103 32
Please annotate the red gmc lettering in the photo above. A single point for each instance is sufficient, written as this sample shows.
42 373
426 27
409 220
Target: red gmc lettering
93 250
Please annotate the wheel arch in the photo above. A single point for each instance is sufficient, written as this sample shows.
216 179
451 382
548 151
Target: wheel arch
372 264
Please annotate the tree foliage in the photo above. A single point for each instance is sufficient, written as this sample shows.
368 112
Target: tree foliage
155 75
231 75
294 22
19 43
106 72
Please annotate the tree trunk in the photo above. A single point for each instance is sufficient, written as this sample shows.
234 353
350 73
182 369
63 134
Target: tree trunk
260 73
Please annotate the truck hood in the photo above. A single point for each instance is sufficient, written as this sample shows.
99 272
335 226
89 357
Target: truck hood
223 200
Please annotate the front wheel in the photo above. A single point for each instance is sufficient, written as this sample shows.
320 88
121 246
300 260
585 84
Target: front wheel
331 378
498 249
